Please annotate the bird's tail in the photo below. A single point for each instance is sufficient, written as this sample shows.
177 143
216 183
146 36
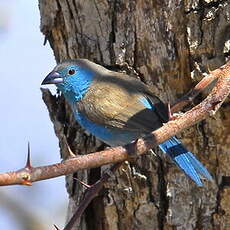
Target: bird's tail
185 160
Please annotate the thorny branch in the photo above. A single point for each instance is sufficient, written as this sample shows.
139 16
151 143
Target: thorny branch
207 107
189 97
92 191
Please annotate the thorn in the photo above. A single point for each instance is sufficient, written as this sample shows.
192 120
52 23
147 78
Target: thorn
45 40
172 117
81 182
71 154
153 153
28 162
56 227
214 104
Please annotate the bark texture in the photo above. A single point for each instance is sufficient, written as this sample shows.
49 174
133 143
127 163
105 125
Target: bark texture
166 44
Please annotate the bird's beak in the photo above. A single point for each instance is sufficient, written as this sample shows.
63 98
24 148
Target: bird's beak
53 78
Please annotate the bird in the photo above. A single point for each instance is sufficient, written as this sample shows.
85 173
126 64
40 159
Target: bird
118 109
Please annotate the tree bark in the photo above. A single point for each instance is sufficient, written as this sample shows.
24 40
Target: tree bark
166 44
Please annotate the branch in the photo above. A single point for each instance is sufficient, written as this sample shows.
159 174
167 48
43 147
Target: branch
89 195
208 107
189 97
93 190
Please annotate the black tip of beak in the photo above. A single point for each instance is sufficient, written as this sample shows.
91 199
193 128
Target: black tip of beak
53 78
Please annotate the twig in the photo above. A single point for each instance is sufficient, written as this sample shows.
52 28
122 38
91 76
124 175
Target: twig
89 195
206 108
189 97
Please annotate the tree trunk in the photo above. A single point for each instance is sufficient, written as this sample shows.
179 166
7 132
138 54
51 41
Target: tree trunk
166 44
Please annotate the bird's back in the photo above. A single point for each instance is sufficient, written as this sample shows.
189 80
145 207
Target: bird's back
119 101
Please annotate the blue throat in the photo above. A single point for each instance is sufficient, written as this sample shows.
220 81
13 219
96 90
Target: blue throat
75 87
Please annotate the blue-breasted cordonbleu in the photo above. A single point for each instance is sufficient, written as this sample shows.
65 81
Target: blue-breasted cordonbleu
118 109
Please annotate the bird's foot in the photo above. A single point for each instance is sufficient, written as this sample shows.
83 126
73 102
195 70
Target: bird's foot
132 150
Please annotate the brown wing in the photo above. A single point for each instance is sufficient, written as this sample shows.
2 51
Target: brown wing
117 101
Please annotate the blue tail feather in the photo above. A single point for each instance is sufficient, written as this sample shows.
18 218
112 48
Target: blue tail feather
199 167
185 160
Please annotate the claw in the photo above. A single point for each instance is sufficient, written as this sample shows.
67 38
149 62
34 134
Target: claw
132 150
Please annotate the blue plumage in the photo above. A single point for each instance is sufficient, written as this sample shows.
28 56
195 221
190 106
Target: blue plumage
118 109
70 85
110 136
185 160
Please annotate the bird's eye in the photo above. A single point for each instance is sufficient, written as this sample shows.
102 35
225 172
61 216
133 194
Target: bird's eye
71 72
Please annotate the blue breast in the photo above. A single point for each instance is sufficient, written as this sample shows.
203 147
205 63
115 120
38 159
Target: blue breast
111 136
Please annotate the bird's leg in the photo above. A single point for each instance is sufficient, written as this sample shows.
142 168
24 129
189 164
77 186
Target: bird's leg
132 150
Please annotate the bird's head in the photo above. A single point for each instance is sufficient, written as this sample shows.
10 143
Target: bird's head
73 78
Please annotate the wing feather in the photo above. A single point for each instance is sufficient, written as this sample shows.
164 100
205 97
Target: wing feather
116 101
